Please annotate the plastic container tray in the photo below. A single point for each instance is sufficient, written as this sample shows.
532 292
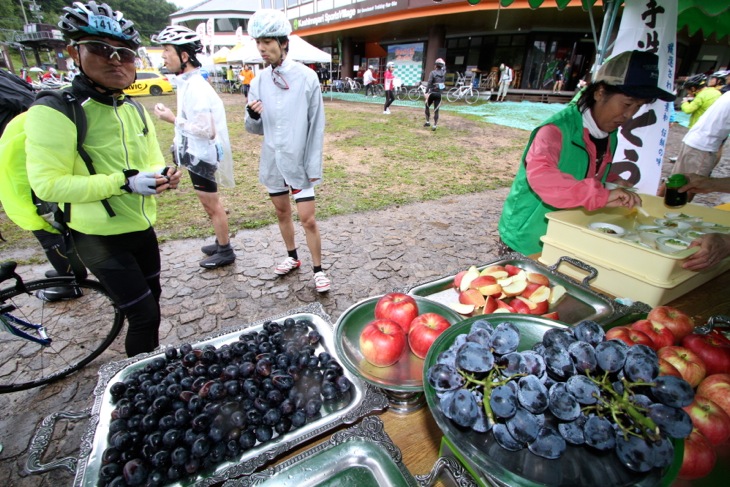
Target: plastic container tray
621 282
568 229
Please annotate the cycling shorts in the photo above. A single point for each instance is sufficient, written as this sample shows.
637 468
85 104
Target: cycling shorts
299 195
201 183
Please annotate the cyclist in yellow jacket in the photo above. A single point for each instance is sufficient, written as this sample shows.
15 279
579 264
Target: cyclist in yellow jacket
699 97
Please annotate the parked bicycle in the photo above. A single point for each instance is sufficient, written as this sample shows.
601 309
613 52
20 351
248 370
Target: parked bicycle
463 91
352 85
417 91
54 327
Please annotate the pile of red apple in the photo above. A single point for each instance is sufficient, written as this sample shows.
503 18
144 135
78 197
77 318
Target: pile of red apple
704 362
505 289
398 326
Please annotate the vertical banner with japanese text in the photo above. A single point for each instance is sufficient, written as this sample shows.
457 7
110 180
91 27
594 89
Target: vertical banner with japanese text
210 27
647 25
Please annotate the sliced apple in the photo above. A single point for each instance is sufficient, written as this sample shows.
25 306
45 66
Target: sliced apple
503 310
515 303
503 305
457 279
515 288
521 275
538 278
471 274
462 309
504 281
472 296
540 308
496 271
531 288
540 294
512 269
490 304
556 293
553 315
482 281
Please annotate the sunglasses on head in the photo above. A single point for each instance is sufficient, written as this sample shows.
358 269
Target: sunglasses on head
102 49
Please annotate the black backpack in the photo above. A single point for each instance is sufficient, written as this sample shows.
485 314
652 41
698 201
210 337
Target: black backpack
16 96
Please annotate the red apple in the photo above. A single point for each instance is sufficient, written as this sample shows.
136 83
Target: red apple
629 336
512 270
665 368
660 335
398 307
382 342
699 457
688 363
424 331
716 387
714 349
709 419
677 321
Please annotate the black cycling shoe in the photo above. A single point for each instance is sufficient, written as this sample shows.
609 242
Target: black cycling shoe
53 294
52 273
210 249
219 259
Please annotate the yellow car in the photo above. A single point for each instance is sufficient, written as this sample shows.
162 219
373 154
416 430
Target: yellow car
149 83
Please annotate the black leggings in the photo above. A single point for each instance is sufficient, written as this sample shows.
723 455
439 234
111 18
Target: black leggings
435 100
128 266
389 98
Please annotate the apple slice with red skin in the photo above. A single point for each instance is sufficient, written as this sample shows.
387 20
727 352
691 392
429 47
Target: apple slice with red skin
490 304
463 309
503 305
472 296
487 285
512 270
496 271
709 419
471 274
457 279
539 295
660 335
553 315
540 308
521 306
538 278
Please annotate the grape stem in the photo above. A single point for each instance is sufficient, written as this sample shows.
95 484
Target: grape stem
493 379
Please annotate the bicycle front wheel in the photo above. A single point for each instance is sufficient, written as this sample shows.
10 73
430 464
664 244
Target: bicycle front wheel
452 95
414 94
471 96
79 329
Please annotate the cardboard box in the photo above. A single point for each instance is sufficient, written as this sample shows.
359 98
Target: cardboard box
625 268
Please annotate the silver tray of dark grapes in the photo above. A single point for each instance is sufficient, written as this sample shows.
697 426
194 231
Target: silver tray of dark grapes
220 408
528 401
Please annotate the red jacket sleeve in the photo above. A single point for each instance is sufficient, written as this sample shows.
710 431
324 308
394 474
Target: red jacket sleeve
555 187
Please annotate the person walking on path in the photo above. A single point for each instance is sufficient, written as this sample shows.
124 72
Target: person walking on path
368 80
700 97
568 158
246 75
434 88
505 80
201 143
114 210
285 106
702 145
388 79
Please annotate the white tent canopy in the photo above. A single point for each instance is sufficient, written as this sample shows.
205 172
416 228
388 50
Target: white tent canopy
299 50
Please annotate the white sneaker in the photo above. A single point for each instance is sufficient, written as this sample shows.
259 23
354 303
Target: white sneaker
386 112
321 282
287 266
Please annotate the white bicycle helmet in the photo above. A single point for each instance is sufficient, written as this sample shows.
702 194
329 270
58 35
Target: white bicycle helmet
440 63
176 35
268 22
390 64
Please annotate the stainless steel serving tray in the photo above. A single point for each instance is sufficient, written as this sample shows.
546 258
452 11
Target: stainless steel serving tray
579 303
363 400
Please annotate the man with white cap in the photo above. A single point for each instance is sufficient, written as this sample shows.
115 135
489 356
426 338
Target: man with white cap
285 106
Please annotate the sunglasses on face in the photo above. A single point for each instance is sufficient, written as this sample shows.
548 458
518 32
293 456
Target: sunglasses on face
107 51
279 80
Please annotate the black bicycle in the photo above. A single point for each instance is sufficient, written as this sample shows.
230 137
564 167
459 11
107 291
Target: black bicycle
54 327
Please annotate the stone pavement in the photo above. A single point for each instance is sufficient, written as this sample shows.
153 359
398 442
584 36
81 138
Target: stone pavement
364 254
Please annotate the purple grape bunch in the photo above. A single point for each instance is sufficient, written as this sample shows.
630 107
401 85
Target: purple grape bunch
188 411
572 388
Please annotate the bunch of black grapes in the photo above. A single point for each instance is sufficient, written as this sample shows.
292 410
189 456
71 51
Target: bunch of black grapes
574 387
187 412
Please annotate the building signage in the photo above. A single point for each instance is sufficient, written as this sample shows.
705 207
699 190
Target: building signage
366 8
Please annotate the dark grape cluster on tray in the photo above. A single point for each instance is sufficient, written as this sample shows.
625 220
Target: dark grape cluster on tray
185 413
572 388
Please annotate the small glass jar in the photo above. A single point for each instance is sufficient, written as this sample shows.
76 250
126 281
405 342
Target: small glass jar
672 197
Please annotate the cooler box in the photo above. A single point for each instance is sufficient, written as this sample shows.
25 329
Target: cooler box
625 268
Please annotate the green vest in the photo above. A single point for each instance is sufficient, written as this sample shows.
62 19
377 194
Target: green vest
523 219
